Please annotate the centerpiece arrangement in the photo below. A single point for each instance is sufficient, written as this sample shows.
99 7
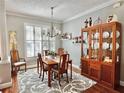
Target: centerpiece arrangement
52 54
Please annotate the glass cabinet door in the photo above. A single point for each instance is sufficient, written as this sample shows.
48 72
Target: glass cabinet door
107 44
95 44
85 44
118 43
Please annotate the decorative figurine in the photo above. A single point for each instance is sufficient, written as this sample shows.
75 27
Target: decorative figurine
112 18
86 23
98 21
90 21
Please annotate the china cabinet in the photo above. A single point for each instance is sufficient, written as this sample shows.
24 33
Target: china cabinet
101 53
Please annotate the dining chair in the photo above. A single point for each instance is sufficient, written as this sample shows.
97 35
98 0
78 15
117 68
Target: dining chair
46 52
60 51
16 61
62 66
43 67
38 62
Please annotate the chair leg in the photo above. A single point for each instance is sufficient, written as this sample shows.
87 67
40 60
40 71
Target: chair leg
43 76
52 76
59 78
62 75
40 72
12 69
18 68
38 66
15 69
25 67
67 76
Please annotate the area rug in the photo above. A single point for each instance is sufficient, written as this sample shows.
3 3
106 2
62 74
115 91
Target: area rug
29 82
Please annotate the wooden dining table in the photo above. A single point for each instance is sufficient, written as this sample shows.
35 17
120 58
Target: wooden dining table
51 62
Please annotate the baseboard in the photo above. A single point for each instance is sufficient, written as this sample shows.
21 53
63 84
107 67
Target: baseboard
32 66
76 69
75 66
122 83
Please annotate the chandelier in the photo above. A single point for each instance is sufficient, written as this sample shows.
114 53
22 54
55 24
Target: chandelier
54 32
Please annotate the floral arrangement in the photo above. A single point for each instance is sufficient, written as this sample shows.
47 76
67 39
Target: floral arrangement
52 53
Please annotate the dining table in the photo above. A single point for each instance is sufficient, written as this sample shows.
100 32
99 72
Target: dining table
51 62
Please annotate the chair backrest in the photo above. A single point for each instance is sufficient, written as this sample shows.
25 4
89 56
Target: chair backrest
14 55
39 55
45 52
40 59
60 51
63 65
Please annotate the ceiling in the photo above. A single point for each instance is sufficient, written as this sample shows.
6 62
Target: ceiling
64 9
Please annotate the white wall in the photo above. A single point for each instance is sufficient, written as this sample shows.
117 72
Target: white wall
3 31
16 23
75 26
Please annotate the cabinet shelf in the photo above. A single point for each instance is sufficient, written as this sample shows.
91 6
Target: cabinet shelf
94 39
107 63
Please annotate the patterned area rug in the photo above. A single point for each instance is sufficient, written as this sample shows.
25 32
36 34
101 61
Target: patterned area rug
29 82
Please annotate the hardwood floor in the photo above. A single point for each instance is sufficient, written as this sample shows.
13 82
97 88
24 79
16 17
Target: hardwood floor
14 88
98 88
94 89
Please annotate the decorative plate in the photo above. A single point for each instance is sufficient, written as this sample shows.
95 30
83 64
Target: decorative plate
105 45
117 46
96 45
117 34
96 35
105 34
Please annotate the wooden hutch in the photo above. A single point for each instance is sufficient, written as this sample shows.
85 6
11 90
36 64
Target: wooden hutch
101 53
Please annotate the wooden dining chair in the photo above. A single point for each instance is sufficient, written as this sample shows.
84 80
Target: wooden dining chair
16 61
46 52
43 67
62 66
38 62
60 51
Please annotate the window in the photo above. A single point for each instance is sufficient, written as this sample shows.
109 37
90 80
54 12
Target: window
36 41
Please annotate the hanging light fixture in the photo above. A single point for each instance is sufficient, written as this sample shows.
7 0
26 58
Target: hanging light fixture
53 32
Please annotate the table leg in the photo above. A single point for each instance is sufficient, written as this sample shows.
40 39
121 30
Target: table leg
49 76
